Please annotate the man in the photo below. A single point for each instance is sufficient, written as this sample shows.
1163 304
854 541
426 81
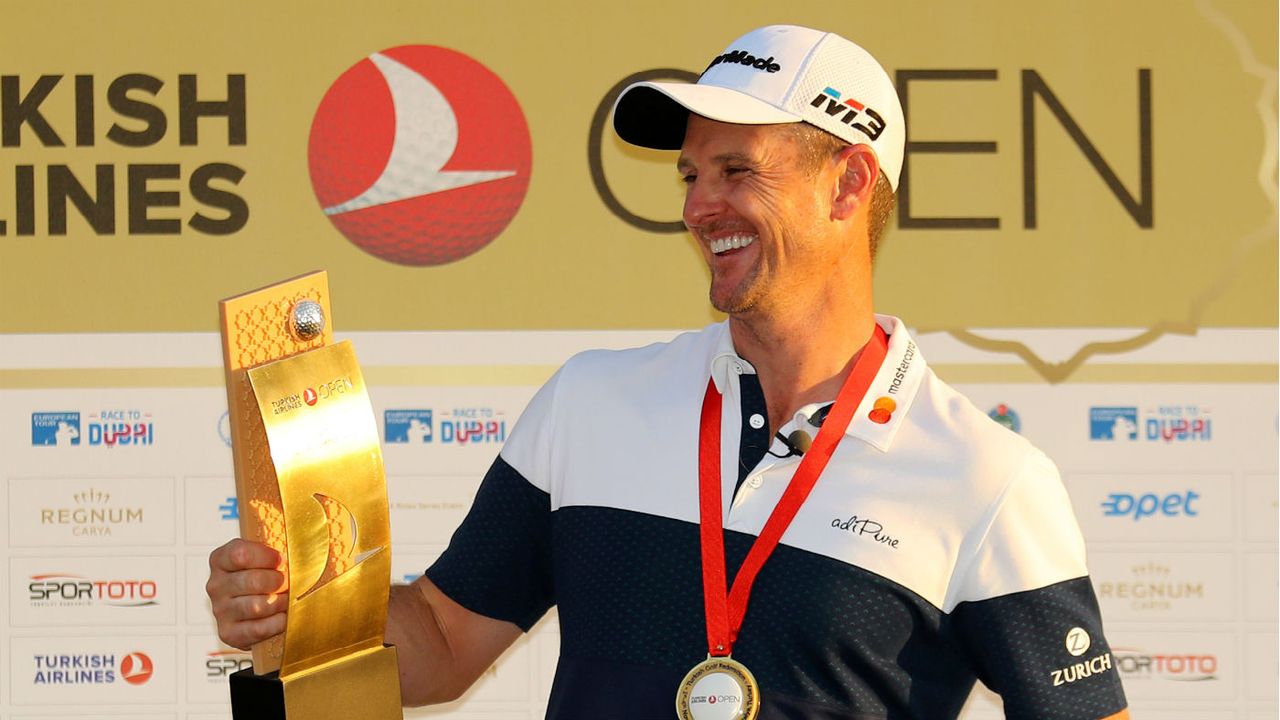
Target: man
706 552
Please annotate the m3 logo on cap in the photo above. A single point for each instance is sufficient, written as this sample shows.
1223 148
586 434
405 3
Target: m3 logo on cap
742 57
852 109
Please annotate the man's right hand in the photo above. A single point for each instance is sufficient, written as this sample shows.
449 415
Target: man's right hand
248 587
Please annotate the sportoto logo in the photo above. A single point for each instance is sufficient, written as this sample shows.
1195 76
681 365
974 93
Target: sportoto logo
419 155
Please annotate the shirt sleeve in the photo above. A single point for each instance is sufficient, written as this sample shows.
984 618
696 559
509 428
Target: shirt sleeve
1027 616
498 562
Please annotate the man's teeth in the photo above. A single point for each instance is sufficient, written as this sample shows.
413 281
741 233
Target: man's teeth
731 243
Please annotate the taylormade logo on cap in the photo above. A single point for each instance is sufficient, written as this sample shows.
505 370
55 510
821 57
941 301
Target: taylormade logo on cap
776 74
742 57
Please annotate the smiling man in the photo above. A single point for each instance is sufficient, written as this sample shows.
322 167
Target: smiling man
785 515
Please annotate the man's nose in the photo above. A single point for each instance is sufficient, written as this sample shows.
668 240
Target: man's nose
703 201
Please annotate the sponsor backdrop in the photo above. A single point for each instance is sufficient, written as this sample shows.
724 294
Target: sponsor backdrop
1085 244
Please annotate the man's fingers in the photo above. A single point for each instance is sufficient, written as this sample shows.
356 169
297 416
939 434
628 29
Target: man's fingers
255 582
256 607
246 633
244 621
247 588
240 554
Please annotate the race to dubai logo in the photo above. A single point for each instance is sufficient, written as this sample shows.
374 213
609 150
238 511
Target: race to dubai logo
419 155
1165 423
104 428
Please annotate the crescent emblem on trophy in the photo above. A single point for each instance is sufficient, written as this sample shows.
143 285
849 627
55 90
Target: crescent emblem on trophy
343 534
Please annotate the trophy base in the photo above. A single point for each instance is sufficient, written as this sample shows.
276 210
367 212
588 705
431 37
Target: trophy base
365 685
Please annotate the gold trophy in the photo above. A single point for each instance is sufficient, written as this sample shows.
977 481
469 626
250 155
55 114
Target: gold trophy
310 482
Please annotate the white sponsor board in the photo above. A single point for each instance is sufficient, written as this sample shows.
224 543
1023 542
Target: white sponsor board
207 663
125 671
1262 670
1176 665
546 652
982 705
131 716
210 511
90 512
1261 584
410 565
99 591
1154 508
507 680
426 509
502 692
1261 508
199 611
455 430
1164 585
1214 551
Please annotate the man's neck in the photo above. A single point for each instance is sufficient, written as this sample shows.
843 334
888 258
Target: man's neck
802 359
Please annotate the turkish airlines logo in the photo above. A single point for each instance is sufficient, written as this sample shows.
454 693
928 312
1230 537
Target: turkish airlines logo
136 668
419 155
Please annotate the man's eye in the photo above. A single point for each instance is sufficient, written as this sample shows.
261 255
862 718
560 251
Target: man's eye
688 179
735 170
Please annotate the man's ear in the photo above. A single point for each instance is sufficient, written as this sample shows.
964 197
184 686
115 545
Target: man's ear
858 169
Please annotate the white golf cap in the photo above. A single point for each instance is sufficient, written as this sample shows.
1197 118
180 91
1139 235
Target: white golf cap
776 74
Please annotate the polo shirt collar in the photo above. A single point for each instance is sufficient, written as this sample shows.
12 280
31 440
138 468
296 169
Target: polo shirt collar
725 361
882 410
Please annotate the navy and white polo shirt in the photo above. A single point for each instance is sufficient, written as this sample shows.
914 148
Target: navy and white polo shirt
936 548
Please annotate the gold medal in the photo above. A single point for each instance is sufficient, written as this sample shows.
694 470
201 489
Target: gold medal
718 688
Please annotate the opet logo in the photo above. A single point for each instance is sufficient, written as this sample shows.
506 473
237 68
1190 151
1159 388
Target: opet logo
1150 505
419 155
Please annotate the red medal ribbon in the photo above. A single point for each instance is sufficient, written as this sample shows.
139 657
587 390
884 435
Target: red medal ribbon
726 609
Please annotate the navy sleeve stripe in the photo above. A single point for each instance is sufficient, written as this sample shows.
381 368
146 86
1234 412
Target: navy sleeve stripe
1043 651
498 561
